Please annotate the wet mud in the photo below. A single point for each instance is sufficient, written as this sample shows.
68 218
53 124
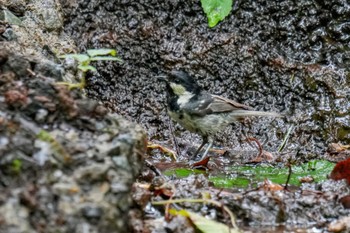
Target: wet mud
287 57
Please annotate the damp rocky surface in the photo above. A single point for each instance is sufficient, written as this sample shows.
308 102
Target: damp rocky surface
68 161
67 165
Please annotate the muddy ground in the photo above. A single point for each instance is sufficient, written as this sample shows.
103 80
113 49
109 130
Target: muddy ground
287 57
284 56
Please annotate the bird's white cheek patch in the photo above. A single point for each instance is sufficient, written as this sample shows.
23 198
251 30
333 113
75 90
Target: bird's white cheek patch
180 91
184 98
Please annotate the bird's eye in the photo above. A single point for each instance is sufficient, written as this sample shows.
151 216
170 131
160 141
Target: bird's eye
177 81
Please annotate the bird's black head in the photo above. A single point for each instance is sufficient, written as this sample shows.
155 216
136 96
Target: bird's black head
180 83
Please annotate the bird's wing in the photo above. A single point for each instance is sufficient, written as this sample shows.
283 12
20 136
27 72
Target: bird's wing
221 104
209 104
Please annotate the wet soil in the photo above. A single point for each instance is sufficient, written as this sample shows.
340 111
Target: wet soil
287 57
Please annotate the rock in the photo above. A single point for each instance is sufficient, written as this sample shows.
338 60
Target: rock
80 159
9 17
93 172
341 225
9 34
14 217
52 19
92 213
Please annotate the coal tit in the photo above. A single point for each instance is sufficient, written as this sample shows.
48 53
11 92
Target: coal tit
201 112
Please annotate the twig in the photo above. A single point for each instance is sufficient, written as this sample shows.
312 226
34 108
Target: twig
289 175
32 73
258 144
285 139
151 145
154 169
167 206
171 128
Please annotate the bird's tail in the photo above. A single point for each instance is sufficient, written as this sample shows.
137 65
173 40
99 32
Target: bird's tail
247 113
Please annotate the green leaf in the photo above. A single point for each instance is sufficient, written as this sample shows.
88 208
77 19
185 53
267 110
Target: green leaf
45 136
225 182
81 58
216 10
17 165
85 68
242 176
99 52
183 172
106 58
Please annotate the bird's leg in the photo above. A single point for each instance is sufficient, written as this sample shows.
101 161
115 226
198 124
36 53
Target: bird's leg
210 140
205 141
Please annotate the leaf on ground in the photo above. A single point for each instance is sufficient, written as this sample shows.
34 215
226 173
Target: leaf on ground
242 176
81 58
101 52
216 10
341 171
201 163
267 185
338 147
106 58
85 68
203 224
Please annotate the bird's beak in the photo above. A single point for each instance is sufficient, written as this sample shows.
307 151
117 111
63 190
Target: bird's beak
163 78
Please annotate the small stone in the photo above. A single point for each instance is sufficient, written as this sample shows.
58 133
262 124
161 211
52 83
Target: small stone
50 69
9 34
15 216
121 162
3 142
92 212
97 193
44 151
66 207
52 19
57 174
41 115
65 188
119 187
93 172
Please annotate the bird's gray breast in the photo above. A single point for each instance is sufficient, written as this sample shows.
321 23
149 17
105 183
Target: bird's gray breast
203 125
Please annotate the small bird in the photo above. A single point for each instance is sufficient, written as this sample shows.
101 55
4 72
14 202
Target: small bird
201 112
